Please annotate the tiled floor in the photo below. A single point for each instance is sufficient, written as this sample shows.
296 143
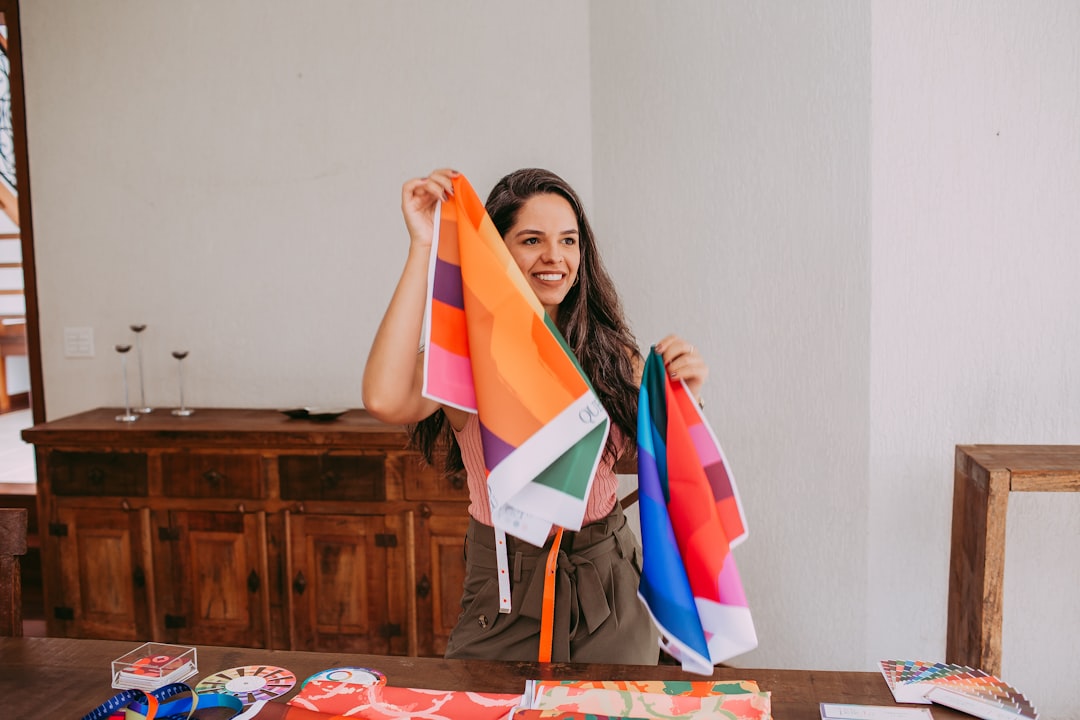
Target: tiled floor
16 457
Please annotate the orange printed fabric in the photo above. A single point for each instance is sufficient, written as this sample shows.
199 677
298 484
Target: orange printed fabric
324 699
688 688
491 349
603 701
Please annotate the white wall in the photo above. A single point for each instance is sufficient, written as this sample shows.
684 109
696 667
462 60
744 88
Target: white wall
731 176
230 174
975 322
863 213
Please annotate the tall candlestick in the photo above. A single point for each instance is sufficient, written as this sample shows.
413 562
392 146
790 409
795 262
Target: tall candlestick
143 407
183 410
128 416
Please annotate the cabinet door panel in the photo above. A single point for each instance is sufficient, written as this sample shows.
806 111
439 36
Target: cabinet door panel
211 578
347 585
101 588
440 552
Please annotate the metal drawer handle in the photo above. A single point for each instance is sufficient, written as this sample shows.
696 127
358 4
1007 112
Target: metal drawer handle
423 588
213 477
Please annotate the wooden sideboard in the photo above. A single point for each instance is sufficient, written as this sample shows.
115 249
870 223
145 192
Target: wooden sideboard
247 528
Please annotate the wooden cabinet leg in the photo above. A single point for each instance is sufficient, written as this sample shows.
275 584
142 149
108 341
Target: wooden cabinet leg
411 621
977 565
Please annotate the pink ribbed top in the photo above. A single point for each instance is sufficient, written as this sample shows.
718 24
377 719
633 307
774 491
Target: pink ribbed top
601 498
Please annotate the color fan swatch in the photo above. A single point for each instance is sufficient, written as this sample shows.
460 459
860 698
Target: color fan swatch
957 686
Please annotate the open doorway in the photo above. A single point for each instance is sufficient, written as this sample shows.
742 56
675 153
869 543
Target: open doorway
22 402
20 393
16 458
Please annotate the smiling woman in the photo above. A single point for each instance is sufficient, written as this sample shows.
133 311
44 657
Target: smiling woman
547 255
544 227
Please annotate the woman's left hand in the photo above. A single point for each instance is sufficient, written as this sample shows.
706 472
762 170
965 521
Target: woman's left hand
682 361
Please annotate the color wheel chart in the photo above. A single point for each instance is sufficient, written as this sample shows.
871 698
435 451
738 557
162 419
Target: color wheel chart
250 683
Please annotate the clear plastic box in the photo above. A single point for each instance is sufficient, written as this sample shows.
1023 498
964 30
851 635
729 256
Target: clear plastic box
152 665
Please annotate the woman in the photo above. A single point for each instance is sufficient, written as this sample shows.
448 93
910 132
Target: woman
598 617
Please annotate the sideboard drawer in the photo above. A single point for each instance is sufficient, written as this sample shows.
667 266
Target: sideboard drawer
358 478
206 475
423 482
97 473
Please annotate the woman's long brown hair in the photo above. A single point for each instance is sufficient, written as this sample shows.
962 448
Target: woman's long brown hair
590 319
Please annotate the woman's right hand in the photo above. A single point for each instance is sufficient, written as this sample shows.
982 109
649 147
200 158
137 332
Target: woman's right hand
419 198
393 382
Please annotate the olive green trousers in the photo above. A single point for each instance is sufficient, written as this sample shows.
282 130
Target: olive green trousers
598 615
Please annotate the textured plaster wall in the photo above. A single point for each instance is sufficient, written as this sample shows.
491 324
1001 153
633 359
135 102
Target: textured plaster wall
732 147
975 322
883 195
230 174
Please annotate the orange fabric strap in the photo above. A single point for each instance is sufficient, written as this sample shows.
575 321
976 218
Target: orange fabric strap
547 617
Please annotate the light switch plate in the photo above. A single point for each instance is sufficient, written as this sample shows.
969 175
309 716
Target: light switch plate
78 342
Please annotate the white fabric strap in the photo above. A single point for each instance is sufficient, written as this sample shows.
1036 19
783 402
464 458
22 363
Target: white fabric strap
504 570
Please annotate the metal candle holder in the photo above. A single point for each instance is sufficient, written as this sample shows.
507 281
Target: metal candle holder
128 416
143 407
183 410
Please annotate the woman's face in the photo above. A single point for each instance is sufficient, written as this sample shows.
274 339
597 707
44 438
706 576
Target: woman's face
544 241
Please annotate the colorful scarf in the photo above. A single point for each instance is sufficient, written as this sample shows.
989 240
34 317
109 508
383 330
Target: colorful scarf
691 517
492 349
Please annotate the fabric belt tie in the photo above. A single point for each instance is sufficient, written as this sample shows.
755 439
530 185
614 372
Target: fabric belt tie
568 588
577 593
547 615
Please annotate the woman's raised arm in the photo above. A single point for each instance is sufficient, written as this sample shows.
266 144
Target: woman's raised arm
393 375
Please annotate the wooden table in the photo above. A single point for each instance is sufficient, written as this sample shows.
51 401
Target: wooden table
984 477
67 678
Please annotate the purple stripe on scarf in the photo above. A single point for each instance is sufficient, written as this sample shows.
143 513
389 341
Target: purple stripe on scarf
448 284
495 448
719 481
